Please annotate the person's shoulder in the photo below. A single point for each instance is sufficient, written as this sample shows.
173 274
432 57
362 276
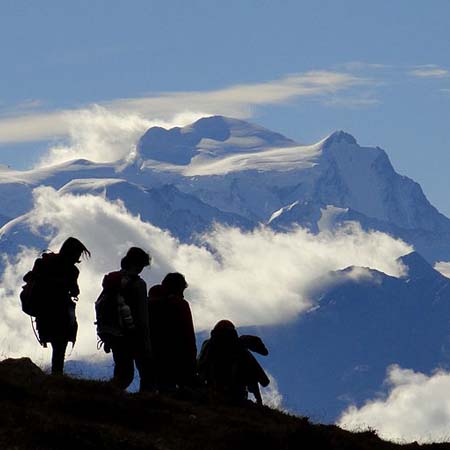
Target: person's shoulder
49 258
72 270
136 282
185 303
141 282
183 306
47 261
112 280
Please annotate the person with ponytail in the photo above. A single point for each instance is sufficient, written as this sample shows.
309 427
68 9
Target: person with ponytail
55 277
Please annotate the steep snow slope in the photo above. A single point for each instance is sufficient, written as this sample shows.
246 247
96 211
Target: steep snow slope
16 186
166 207
433 245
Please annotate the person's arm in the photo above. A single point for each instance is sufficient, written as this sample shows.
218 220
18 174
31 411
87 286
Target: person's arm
203 361
141 315
254 343
34 271
74 290
188 333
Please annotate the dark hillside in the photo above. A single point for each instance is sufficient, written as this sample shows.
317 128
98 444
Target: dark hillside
40 412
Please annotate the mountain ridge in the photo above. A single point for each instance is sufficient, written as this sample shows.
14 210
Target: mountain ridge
254 180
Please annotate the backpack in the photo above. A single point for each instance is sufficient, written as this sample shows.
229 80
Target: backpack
113 315
33 294
29 296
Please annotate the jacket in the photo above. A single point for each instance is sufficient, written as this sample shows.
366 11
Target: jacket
56 284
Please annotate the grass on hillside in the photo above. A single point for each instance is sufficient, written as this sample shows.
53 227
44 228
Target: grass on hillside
42 412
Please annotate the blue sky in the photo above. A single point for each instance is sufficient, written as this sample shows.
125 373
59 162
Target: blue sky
379 70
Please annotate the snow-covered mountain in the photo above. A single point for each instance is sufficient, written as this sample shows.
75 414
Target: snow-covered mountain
208 139
166 207
258 176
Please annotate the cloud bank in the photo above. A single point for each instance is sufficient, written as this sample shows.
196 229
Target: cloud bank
417 408
251 278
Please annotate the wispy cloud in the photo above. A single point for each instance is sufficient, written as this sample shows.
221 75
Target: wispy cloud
354 66
353 102
238 101
429 71
20 108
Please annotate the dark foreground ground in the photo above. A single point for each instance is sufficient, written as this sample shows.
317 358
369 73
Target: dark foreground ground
40 412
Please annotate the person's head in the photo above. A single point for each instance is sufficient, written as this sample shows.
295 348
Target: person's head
224 325
156 293
224 330
174 284
135 260
72 249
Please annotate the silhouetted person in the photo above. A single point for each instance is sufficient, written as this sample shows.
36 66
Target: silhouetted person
129 339
172 334
228 368
55 276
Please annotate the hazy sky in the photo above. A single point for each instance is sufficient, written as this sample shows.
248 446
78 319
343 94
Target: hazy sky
65 55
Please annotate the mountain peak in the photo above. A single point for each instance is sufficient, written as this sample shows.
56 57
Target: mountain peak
208 138
339 137
418 267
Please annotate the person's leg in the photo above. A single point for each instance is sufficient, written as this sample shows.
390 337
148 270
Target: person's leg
164 374
146 375
254 389
58 354
254 371
123 363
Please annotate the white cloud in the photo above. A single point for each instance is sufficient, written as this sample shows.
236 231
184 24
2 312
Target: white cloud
443 267
20 108
429 71
417 408
237 101
100 135
355 102
271 395
354 66
251 278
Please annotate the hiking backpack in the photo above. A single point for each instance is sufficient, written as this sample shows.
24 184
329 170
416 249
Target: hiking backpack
113 315
29 296
35 289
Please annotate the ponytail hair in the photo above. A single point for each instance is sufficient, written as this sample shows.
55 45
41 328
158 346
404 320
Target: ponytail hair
73 248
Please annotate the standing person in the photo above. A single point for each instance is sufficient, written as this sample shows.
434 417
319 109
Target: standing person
172 334
56 290
122 320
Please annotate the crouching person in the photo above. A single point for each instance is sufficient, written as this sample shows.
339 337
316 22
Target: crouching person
122 320
227 366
